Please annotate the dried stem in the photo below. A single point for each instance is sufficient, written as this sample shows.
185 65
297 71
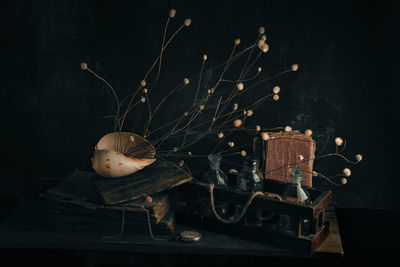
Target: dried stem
112 90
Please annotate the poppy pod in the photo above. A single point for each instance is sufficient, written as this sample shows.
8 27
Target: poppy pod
121 153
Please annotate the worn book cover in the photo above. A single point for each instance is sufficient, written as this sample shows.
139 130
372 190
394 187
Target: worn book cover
285 150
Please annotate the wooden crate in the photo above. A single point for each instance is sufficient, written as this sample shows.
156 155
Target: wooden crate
192 193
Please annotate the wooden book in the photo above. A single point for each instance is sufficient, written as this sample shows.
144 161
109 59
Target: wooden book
157 177
76 196
285 150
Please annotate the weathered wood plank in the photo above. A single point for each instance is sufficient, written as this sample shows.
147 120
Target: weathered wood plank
158 177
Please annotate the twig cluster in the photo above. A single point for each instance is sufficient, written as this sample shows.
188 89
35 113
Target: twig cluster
214 111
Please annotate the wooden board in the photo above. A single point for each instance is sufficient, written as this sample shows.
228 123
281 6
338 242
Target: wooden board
157 177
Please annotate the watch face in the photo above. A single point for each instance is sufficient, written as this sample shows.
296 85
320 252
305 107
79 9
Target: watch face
190 236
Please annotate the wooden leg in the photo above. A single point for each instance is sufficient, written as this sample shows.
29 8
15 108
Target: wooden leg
323 218
316 225
299 230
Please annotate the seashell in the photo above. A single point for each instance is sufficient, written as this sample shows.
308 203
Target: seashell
122 153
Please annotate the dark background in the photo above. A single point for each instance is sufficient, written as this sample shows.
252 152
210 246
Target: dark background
346 85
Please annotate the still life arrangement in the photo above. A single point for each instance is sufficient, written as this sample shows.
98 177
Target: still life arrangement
142 173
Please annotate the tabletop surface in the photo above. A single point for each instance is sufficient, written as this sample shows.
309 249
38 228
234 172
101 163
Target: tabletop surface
210 244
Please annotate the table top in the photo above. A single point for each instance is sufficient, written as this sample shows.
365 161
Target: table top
210 244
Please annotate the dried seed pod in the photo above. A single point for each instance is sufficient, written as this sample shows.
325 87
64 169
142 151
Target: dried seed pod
237 41
308 132
143 83
220 135
343 180
172 13
189 153
295 67
237 123
288 128
261 30
231 144
265 48
250 112
149 199
175 149
185 113
338 141
201 107
260 43
259 69
314 173
358 158
276 90
186 81
243 153
346 172
142 99
301 157
265 136
258 128
232 171
235 106
84 66
187 22
240 86
263 37
181 163
145 90
275 97
204 57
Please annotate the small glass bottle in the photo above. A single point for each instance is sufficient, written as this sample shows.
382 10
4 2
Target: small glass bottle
215 175
295 188
248 179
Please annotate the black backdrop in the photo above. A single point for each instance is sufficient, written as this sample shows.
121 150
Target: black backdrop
346 84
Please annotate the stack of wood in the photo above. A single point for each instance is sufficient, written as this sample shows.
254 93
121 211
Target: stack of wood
85 202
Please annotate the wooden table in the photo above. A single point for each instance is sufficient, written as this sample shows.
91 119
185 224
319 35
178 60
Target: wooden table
210 244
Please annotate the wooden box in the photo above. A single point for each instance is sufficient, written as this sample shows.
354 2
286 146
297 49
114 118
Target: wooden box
193 193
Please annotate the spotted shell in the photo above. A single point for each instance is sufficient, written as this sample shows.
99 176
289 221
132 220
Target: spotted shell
122 153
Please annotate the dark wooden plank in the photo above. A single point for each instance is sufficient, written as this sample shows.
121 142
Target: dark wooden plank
157 177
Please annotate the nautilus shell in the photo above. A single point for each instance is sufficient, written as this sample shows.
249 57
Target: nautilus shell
121 153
